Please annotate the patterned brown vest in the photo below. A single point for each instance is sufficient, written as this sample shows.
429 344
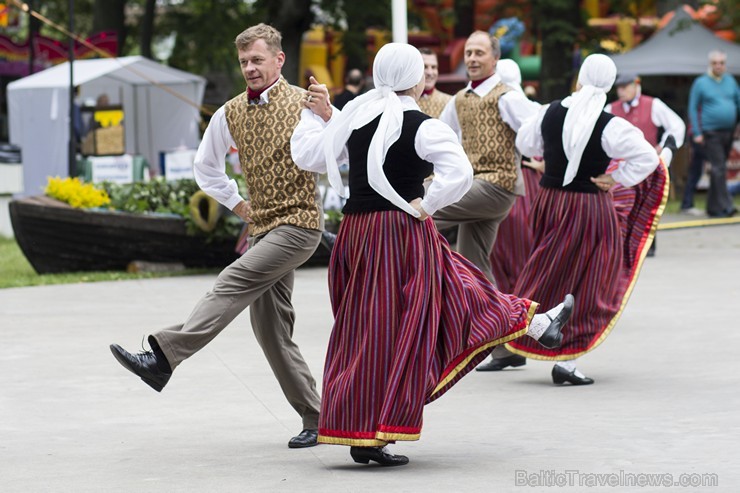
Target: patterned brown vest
488 141
433 104
279 192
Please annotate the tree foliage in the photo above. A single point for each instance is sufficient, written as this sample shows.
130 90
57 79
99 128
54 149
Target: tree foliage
109 15
353 19
292 18
205 29
558 23
205 32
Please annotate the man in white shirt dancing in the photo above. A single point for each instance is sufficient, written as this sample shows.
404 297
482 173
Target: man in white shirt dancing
485 115
286 220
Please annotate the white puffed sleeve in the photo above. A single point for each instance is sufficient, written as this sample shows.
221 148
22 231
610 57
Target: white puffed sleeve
437 143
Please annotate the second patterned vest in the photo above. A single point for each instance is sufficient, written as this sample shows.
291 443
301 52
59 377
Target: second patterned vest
433 104
488 141
279 192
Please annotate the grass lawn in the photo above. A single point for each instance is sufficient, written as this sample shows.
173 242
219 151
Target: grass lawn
15 271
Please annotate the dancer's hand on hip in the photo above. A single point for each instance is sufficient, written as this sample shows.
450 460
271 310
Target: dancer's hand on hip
416 204
604 182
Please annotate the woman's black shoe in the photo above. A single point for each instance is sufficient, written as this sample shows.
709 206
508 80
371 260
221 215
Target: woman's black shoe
553 337
561 375
499 364
364 455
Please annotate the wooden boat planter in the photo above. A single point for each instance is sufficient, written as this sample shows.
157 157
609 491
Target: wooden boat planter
56 237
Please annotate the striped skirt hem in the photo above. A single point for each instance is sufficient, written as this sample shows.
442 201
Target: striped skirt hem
638 211
412 318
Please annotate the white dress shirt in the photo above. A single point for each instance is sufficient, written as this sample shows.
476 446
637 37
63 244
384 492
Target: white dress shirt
514 106
209 166
620 140
434 142
661 116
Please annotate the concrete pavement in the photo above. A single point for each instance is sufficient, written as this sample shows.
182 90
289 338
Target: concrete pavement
666 398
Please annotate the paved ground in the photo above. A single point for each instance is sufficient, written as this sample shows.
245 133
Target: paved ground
666 398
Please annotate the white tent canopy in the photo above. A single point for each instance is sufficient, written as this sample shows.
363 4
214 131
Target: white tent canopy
155 120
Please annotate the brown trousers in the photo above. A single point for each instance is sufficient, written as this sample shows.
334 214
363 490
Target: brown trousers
261 279
478 215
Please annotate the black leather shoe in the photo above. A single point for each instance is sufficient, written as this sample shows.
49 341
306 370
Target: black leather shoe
144 365
499 364
363 455
651 250
306 438
553 337
561 375
722 215
327 240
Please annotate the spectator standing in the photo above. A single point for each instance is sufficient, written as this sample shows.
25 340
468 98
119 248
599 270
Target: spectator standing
353 84
714 104
651 116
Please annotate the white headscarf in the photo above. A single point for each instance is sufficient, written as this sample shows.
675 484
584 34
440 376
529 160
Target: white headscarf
510 74
397 67
596 77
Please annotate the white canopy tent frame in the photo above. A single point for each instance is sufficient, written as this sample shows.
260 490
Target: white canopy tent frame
155 119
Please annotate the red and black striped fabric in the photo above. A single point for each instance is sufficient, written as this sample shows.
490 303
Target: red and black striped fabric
591 245
514 238
412 317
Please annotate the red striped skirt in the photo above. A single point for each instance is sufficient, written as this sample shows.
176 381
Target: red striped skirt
514 238
591 245
412 317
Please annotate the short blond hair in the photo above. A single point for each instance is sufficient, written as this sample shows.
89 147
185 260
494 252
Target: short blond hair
271 36
495 45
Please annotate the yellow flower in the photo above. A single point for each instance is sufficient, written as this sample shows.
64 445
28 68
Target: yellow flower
76 193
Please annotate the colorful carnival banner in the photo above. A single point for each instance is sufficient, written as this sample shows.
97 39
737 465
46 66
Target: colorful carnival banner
48 51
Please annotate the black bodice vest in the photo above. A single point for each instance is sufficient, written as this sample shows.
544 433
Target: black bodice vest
593 162
404 169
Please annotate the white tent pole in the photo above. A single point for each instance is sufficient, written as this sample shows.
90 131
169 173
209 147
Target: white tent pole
400 21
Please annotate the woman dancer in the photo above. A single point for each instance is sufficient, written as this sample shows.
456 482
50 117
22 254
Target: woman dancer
579 245
412 317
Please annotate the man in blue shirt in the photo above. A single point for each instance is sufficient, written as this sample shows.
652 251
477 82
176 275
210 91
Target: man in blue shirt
714 105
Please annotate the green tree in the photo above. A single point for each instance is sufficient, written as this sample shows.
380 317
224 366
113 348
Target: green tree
292 18
353 19
58 12
558 23
205 32
109 15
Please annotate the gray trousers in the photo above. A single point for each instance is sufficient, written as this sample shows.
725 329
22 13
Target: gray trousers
261 279
478 215
717 146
